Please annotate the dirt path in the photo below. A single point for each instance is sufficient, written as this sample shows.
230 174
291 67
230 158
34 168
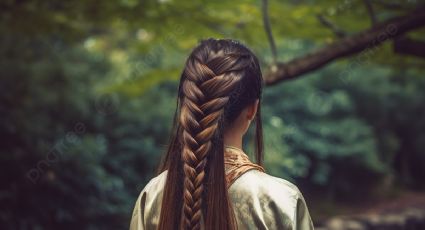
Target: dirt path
406 200
397 212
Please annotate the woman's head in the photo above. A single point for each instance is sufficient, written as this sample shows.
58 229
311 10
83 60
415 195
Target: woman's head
224 71
221 78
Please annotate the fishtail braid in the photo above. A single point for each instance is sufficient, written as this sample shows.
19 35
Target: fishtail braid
205 93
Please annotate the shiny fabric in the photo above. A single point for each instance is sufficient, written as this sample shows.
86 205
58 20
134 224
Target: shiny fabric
260 201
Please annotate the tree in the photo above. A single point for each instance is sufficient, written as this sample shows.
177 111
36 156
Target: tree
89 87
365 42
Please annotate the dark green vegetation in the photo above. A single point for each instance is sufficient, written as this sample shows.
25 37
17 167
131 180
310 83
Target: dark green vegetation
88 93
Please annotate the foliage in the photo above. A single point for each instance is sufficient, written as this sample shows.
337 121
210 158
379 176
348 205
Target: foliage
88 92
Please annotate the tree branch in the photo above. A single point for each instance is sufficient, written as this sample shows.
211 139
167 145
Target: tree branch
268 29
409 46
370 11
328 24
350 45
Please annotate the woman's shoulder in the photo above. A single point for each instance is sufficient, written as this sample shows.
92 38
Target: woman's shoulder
152 190
255 180
146 210
264 200
156 183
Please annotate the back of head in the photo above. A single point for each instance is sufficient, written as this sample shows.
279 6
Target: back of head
220 79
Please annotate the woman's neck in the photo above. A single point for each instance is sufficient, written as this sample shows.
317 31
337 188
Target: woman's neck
232 139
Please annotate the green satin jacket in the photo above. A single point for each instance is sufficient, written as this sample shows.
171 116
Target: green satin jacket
260 201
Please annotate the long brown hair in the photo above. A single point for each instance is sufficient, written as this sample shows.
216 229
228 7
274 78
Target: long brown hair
220 78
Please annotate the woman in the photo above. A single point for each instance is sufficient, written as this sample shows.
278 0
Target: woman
206 180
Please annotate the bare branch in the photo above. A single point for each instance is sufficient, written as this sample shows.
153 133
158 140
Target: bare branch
328 24
347 46
268 29
370 11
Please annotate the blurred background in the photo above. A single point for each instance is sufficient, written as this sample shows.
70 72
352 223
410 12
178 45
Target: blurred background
88 90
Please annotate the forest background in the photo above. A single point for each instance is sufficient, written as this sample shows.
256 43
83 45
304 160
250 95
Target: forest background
88 90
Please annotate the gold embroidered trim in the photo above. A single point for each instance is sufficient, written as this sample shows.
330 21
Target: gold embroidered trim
236 163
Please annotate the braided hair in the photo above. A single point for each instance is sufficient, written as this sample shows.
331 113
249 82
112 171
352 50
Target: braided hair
220 78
